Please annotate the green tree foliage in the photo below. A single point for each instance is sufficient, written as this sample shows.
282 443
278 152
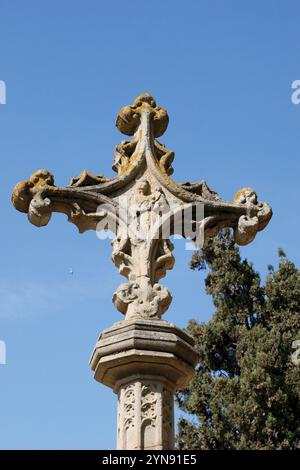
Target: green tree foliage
246 391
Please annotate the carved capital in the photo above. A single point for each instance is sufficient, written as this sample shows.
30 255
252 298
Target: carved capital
142 300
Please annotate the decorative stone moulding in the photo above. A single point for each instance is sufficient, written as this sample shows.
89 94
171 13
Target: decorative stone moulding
152 347
144 362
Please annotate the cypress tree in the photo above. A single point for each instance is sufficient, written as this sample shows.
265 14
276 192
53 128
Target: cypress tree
246 390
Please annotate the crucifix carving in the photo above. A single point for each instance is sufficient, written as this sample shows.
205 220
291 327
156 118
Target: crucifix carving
144 207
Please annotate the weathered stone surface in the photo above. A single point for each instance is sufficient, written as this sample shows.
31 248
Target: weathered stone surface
145 415
155 348
144 359
144 362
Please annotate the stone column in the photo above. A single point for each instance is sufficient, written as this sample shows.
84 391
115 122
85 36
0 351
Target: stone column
144 362
145 414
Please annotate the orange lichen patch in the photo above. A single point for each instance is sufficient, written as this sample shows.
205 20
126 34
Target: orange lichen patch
129 117
21 196
245 195
129 164
144 98
127 120
22 192
42 178
125 168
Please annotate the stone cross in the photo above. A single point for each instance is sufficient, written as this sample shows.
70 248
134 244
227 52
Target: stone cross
143 358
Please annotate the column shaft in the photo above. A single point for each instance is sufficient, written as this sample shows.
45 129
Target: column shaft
145 415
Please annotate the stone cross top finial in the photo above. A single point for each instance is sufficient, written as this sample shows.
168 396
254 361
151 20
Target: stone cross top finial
143 206
129 117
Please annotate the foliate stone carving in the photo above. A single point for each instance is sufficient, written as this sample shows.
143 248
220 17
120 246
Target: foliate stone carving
149 403
145 416
201 189
141 249
127 426
246 196
129 117
142 300
129 403
25 190
246 229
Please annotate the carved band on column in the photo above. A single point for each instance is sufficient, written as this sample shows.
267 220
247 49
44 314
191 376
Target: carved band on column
145 415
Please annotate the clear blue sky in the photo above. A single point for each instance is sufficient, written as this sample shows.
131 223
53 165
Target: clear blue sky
223 70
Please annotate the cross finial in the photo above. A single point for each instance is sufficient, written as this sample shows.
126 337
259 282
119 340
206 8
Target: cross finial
129 117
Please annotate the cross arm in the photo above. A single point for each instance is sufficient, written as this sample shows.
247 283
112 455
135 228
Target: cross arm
142 156
39 197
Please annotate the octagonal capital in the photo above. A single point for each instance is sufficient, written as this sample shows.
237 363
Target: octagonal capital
144 348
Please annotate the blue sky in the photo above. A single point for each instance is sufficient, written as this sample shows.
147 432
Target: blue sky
223 70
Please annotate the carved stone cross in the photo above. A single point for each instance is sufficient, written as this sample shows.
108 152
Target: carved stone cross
143 358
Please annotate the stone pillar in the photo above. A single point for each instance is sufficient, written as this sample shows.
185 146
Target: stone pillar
145 414
144 362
